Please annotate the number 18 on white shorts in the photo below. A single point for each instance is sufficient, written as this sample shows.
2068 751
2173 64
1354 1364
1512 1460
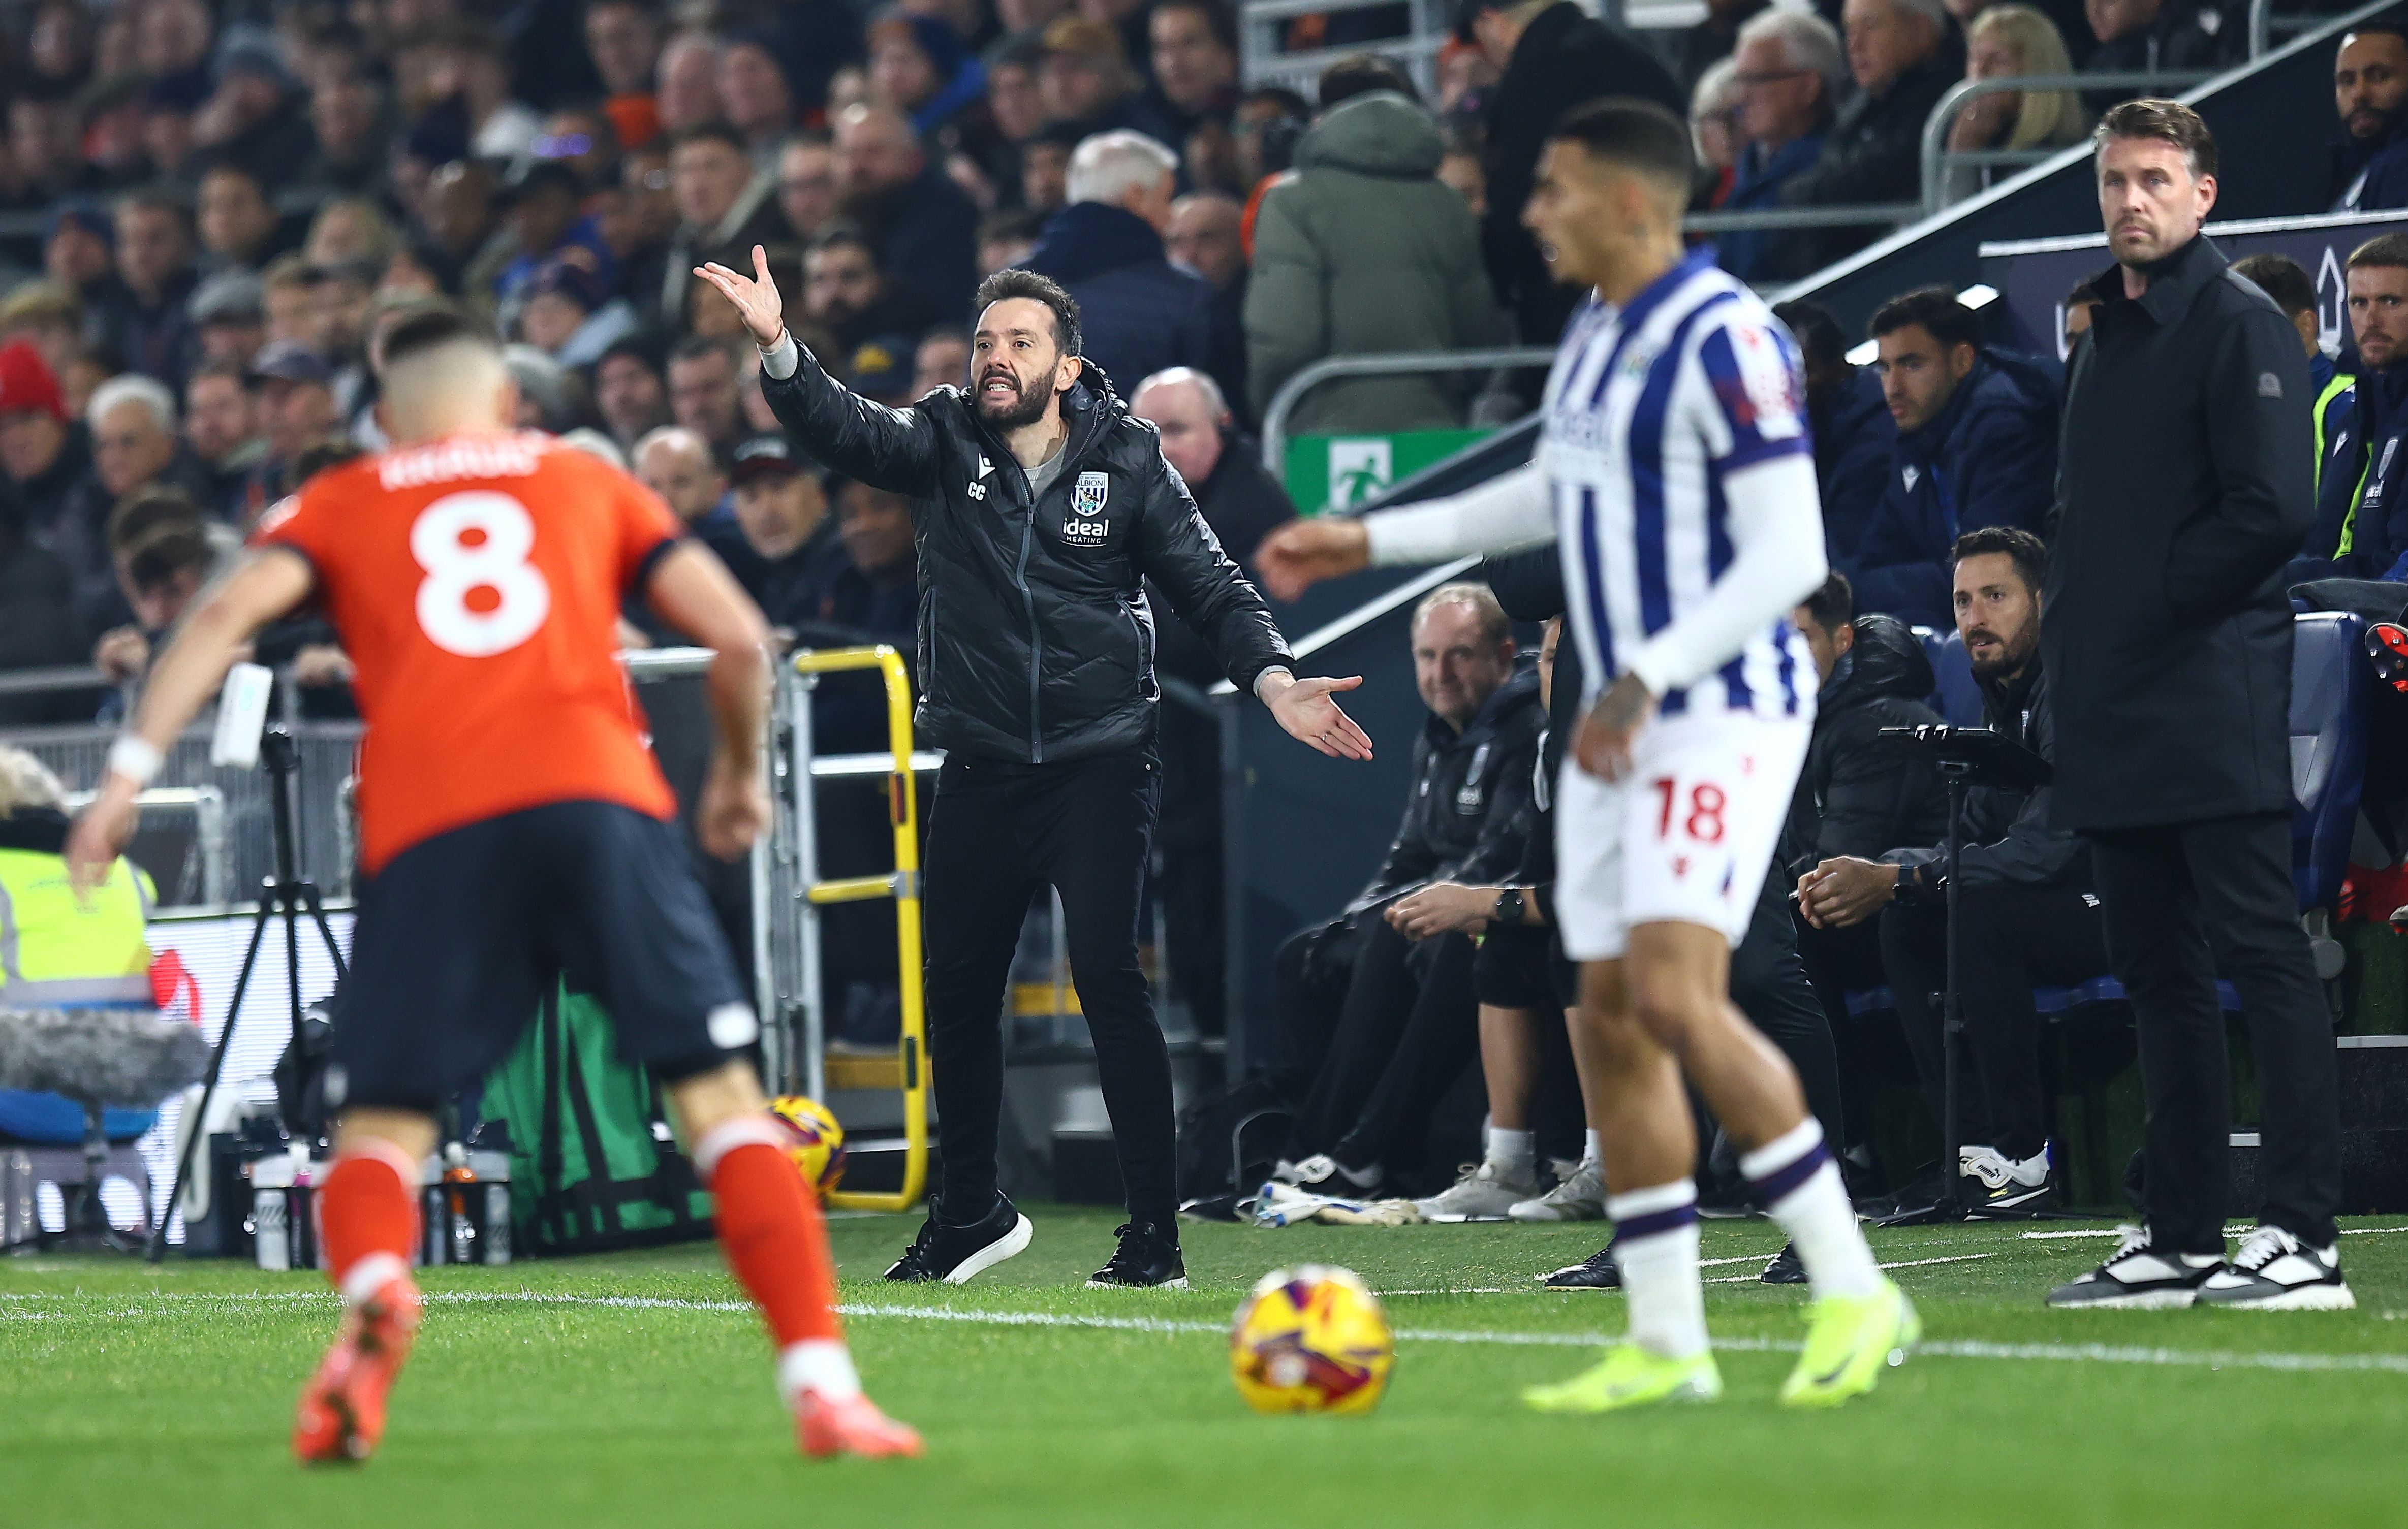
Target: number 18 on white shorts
1687 836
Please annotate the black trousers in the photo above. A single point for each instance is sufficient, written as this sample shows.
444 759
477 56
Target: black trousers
2009 939
997 831
2184 903
1767 983
1837 962
1406 1022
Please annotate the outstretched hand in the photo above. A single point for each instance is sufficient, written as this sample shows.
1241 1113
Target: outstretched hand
763 312
1305 709
1301 553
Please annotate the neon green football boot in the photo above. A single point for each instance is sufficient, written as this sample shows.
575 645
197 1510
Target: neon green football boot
1631 1376
1850 1341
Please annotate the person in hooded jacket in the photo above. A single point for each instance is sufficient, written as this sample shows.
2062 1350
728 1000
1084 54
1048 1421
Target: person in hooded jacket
1363 250
1976 446
1859 796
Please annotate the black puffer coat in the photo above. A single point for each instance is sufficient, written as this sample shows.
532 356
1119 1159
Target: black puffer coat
1035 640
1861 794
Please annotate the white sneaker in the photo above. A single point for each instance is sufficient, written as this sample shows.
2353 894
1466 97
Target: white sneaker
2006 1183
2275 1271
1487 1192
1579 1195
1323 1174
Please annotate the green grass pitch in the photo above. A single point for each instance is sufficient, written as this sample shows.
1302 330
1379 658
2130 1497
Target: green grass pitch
633 1390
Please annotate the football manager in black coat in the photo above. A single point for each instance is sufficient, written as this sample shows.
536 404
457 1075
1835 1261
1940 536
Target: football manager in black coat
2184 485
1039 508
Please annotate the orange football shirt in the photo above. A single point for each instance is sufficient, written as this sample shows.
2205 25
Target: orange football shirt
476 583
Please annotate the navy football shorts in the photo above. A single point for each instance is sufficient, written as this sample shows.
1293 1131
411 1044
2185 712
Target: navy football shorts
461 935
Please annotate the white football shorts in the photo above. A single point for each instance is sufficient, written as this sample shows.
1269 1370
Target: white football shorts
1687 836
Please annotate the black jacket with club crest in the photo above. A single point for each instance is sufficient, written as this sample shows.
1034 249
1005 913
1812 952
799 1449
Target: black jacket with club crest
1035 640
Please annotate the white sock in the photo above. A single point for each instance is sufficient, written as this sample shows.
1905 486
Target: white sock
1591 1151
1516 1152
820 1364
1655 1248
1798 1185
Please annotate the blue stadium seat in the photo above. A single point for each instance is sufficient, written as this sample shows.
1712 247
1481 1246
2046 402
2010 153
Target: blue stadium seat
2331 691
1959 699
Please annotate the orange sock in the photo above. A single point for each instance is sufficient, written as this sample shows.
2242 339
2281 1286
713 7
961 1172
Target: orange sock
770 1230
367 1217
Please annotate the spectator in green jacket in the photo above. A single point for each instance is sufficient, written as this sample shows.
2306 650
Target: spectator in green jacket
1364 250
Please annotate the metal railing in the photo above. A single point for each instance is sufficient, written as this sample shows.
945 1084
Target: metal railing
1847 215
2264 24
1384 363
1936 127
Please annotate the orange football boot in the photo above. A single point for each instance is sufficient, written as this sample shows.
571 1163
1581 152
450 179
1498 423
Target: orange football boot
341 1414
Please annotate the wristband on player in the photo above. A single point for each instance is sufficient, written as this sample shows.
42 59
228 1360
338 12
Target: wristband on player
135 759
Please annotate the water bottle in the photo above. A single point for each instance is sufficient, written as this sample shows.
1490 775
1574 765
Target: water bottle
270 1230
458 1182
497 1223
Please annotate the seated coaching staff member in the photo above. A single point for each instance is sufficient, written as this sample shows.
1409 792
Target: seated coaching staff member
1039 504
2026 911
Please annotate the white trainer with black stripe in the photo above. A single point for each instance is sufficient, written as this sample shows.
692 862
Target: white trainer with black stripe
2139 1278
2275 1271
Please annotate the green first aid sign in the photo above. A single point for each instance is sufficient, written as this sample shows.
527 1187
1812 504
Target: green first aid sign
1339 472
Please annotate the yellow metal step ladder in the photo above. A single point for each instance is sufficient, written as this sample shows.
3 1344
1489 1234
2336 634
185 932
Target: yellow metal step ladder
906 1069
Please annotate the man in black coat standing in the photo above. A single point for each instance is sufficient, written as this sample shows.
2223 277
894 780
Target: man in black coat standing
1553 56
2185 484
1039 508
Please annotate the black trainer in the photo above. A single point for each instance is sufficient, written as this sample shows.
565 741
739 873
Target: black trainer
1787 1268
1595 1272
2139 1278
1147 1258
955 1254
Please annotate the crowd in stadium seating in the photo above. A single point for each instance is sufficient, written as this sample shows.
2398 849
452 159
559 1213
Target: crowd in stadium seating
223 203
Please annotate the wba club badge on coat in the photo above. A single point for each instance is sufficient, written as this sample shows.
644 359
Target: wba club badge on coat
1087 525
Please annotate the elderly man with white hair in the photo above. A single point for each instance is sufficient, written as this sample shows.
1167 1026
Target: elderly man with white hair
1904 55
134 442
1142 314
1792 75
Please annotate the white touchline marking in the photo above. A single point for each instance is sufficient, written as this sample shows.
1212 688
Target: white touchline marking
2229 1231
2086 1353
1903 1264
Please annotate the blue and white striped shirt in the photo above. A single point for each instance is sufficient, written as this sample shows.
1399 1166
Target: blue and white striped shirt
1649 410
